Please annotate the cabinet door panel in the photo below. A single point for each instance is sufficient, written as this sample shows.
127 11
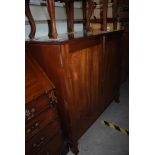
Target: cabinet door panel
84 68
111 68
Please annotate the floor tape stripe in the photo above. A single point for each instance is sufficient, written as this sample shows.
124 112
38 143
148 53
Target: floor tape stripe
112 125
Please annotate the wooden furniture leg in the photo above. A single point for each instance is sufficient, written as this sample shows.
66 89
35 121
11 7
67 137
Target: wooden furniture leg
70 15
84 10
31 19
117 100
104 15
65 149
74 147
117 97
115 13
52 23
90 8
49 28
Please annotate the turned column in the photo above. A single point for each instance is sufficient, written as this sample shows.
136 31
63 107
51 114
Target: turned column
90 9
70 15
30 19
89 13
115 13
52 23
84 11
104 15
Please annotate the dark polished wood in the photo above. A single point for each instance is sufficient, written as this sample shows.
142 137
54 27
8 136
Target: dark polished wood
70 15
84 11
104 15
85 69
52 23
43 131
115 12
30 19
112 68
125 57
89 13
86 73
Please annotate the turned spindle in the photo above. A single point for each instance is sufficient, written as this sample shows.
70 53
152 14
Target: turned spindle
115 13
84 10
52 22
30 19
89 13
103 15
70 15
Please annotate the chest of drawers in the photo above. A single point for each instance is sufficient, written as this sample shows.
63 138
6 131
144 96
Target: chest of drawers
43 133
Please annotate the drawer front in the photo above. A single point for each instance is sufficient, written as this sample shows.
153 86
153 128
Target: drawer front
33 126
53 147
38 141
41 103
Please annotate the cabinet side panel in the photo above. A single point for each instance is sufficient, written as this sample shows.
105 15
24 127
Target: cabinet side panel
85 84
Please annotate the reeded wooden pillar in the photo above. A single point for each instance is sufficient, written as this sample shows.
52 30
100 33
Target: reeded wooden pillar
31 19
52 23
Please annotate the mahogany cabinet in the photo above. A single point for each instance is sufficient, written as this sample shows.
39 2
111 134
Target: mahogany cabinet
86 72
43 133
112 58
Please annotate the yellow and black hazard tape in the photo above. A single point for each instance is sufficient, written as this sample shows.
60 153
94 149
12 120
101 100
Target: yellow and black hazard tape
112 125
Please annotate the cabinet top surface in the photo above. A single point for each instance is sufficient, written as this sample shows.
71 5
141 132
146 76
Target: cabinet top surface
36 81
66 37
